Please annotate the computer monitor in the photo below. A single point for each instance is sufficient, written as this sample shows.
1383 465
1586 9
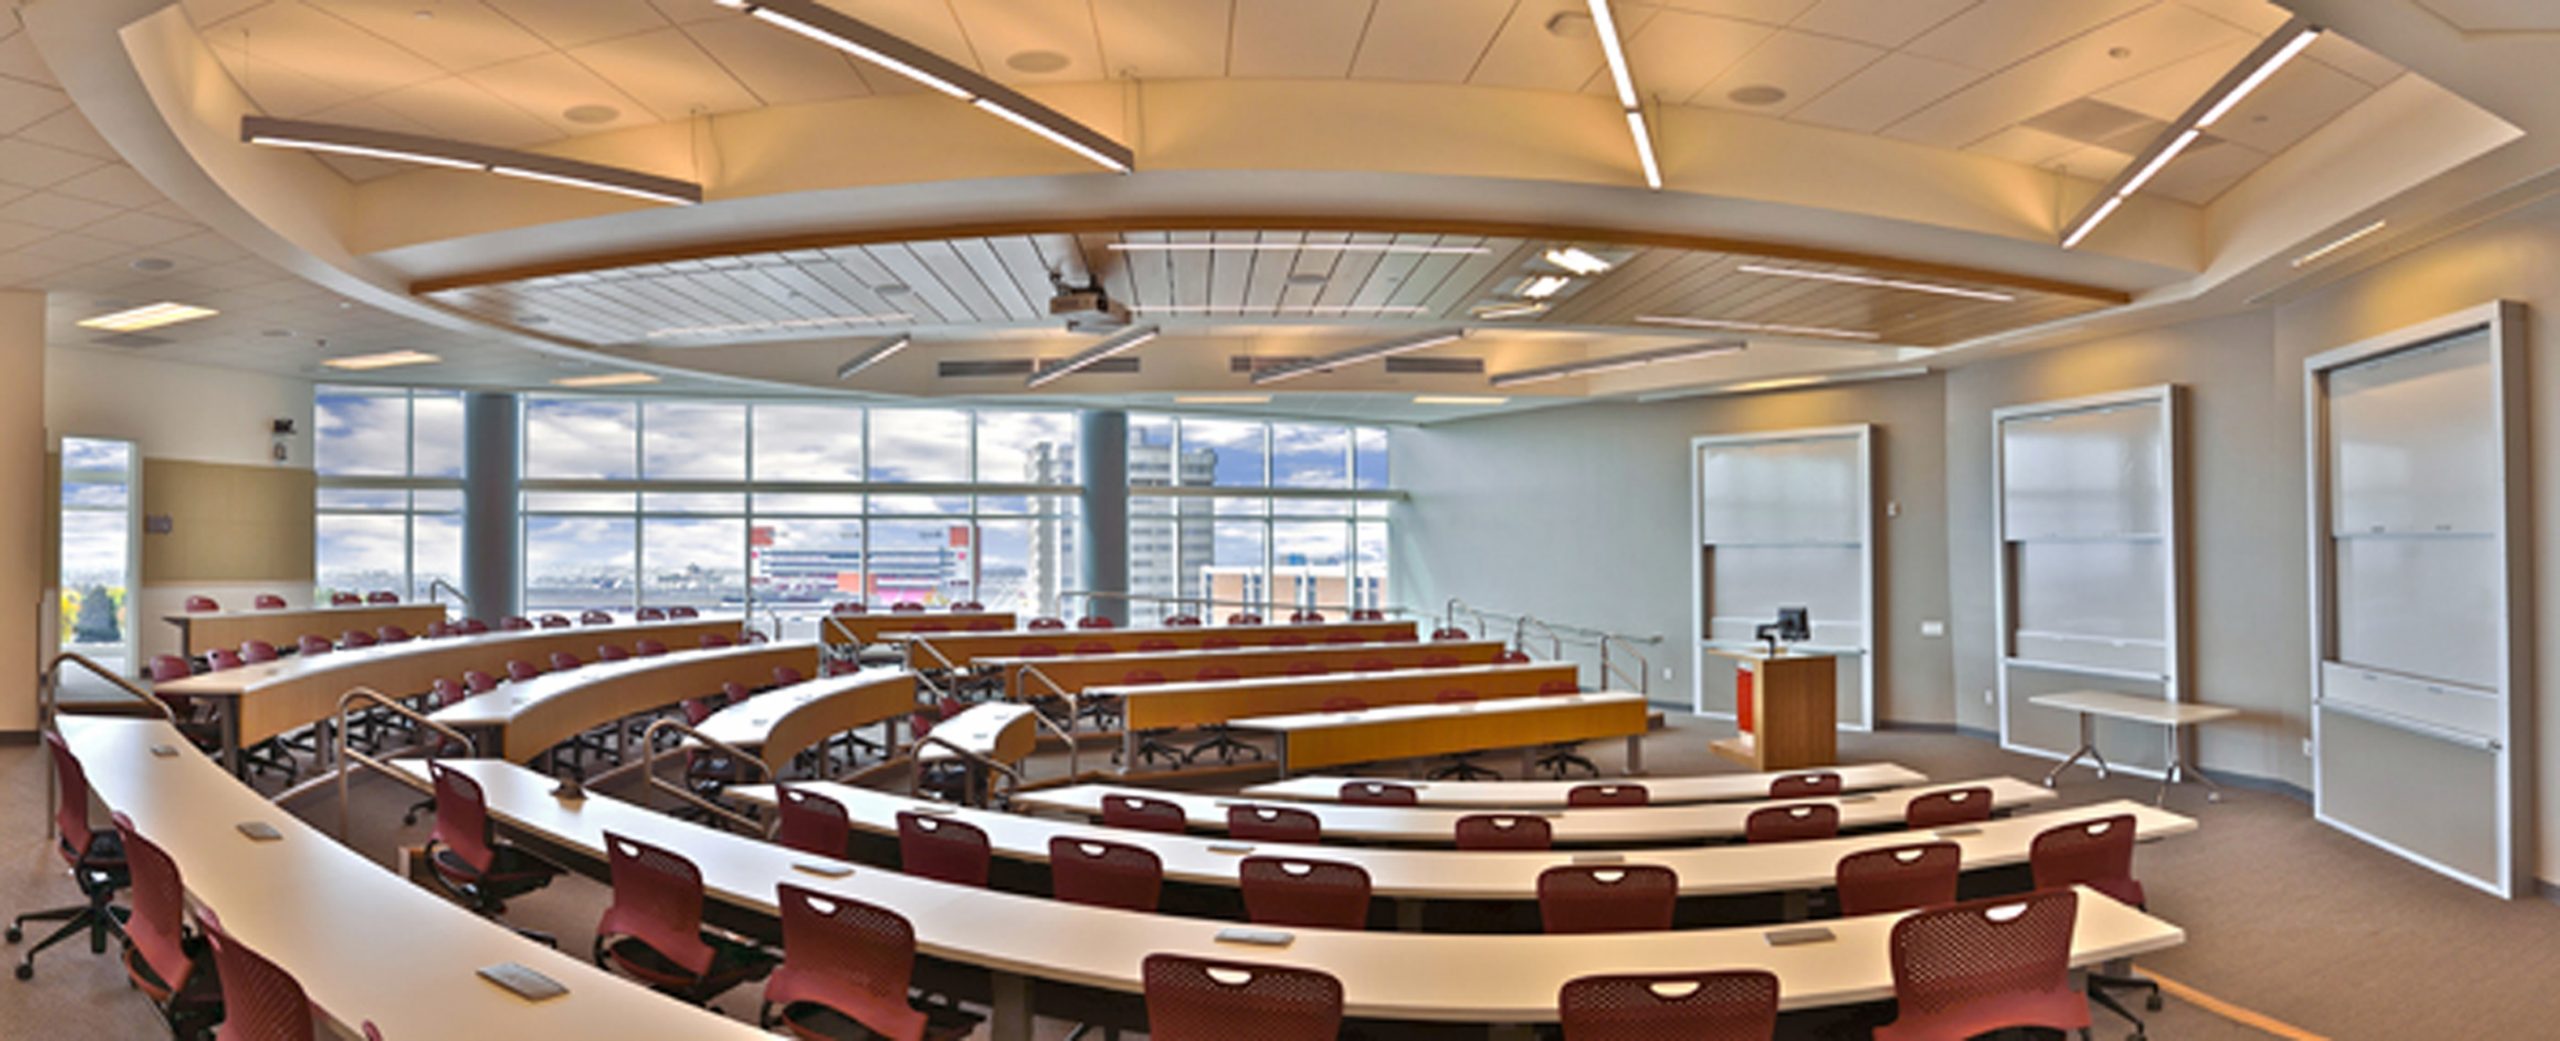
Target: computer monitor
1794 625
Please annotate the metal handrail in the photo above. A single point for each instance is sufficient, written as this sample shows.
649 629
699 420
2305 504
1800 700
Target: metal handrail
1075 709
915 774
439 583
1609 669
649 769
1581 635
349 758
49 705
1266 605
1520 637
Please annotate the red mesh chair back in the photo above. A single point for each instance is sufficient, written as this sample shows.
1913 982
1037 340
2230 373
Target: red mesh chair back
563 661
1807 820
392 634
382 596
1368 614
1986 965
1045 622
909 607
354 638
1954 806
520 670
1510 656
344 599
1037 650
1607 898
554 621
657 900
711 641
1104 874
478 682
314 643
963 606
1447 633
1804 785
1273 824
1504 831
1213 673
270 602
200 604
594 617
445 692
1182 621
1735 1005
158 928
515 623
1144 814
1244 618
649 614
70 802
255 651
1095 621
473 627
221 658
943 849
683 612
811 823
462 817
784 676
1316 894
1898 878
1343 703
849 607
1607 795
1306 617
1306 667
848 956
438 630
260 1001
1096 647
1380 793
1373 665
1190 999
648 648
611 652
166 667
2093 853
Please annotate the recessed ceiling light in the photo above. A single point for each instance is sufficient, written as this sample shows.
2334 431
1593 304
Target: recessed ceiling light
1756 327
1757 94
1540 287
606 379
1036 62
1780 383
591 114
384 360
1516 309
1307 278
1223 399
148 316
154 264
1846 278
1455 399
1578 260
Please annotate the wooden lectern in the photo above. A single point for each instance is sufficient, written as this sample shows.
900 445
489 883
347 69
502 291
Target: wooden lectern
1787 707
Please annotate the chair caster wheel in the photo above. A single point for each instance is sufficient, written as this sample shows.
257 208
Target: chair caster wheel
16 934
2153 1003
26 971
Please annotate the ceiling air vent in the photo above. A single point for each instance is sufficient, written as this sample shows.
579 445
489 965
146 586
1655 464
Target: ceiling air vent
990 367
132 340
2117 129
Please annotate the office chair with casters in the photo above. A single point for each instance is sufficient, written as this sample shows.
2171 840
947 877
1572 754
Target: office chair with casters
1447 633
1733 1005
907 607
784 676
1462 766
715 641
1244 618
563 661
1379 793
1193 999
221 658
592 616
1138 812
1898 878
466 858
681 611
260 1001
1607 898
344 600
647 648
849 607
2097 854
96 858
1953 806
649 614
553 621
1222 738
162 959
846 966
1182 621
1306 618
1315 894
514 623
446 693
1096 621
1113 712
1249 823
382 596
1368 614
270 602
356 639
1561 759
1045 623
202 604
392 634
475 681
520 670
1812 785
945 850
653 930
1792 823
1099 873
1482 831
1608 795
472 626
313 644
255 651
440 629
811 823
1984 965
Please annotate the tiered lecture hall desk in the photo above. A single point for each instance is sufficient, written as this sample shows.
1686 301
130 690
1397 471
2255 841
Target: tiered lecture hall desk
1057 674
1178 706
203 631
779 724
886 626
1411 874
270 698
1308 740
1582 826
365 943
1523 795
524 718
962 650
1077 953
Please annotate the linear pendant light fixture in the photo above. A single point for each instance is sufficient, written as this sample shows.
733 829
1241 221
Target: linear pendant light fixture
339 139
873 355
2253 71
887 50
1372 352
1614 363
1624 79
1125 340
1848 279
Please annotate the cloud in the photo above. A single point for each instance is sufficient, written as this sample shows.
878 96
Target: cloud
808 443
571 438
916 444
360 434
694 440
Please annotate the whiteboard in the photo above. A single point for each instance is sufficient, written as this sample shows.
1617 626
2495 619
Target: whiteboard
1783 491
1782 520
2097 471
2413 443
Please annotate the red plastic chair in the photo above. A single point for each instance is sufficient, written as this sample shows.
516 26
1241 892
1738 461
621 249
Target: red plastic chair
1306 618
966 606
260 1001
1380 793
1182 621
172 968
1368 614
354 639
683 612
344 600
591 616
1734 1005
313 643
653 929
96 858
464 853
1318 894
811 823
520 670
1246 823
649 614
849 607
201 604
271 602
392 634
842 960
1793 823
477 682
2097 854
1448 633
1954 806
1509 656
1144 814
1804 785
647 648
221 658
1244 618
1608 795
382 596
1191 999
909 607
1105 874
946 850
1504 831
784 676
473 627
1898 878
1607 898
563 661
554 621
1045 622
255 651
515 623
612 652
440 629
1985 965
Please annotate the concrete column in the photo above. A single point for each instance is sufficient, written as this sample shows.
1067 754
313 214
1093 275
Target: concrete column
22 518
1102 533
492 460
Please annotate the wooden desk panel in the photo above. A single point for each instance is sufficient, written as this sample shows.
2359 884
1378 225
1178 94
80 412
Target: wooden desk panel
205 631
964 649
533 715
1314 740
877 627
1178 705
1526 795
780 724
1077 672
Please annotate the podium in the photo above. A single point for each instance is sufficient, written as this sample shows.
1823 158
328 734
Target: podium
1787 709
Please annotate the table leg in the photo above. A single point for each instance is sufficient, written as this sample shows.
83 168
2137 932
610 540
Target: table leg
1509 1032
1012 1019
1528 763
1128 745
1409 915
231 737
1795 905
1635 755
1280 751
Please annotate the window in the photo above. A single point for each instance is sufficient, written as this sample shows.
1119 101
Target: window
390 498
1268 517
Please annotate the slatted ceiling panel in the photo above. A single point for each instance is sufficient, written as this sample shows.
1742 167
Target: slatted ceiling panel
1149 274
956 277
760 280
1350 272
982 268
1271 272
1324 262
1631 275
797 278
1189 286
1651 287
1025 275
833 274
1230 271
934 303
1480 276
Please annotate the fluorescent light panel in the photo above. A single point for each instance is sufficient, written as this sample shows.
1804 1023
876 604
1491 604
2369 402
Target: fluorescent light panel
777 325
1644 149
148 316
873 355
362 151
1540 287
2339 243
1781 383
1577 260
1614 363
565 181
2292 47
605 379
445 153
1605 22
1356 355
2262 64
384 360
1757 327
1846 278
1291 247
1497 312
1121 342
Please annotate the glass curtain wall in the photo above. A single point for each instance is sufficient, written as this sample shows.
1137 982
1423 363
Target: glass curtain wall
390 497
1268 517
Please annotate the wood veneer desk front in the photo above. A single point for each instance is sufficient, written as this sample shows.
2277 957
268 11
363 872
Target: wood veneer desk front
525 718
962 650
780 724
1175 706
203 631
1524 795
1787 708
1308 740
1505 982
1073 674
885 626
